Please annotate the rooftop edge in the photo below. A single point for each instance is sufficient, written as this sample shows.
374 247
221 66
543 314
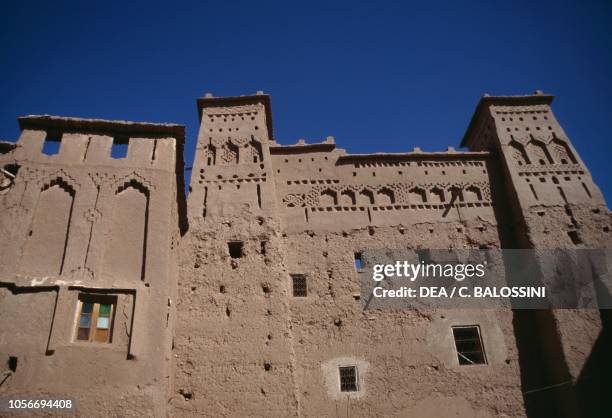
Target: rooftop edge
70 124
209 100
538 97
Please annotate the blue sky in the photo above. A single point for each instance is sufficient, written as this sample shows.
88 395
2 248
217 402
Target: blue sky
379 76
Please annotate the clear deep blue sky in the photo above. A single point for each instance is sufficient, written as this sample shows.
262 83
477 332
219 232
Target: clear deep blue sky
378 76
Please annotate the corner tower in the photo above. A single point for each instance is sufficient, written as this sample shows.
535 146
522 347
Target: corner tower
233 334
555 201
555 204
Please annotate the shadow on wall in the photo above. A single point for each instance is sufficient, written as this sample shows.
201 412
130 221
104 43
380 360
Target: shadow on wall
594 385
548 387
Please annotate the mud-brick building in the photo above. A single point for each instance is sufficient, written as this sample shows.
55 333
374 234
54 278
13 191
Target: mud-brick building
243 298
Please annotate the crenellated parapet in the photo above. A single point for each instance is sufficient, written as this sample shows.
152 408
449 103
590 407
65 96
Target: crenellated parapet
81 212
91 212
317 181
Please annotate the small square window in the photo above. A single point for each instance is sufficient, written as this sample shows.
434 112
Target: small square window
299 286
348 379
468 343
95 320
358 262
235 249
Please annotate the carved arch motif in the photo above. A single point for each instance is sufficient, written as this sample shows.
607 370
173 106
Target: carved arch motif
134 184
126 247
562 153
517 151
58 177
133 177
417 195
538 152
385 196
328 197
456 194
209 154
47 243
254 152
60 182
347 198
473 193
437 195
365 197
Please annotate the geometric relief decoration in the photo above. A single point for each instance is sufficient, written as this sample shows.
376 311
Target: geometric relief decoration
392 195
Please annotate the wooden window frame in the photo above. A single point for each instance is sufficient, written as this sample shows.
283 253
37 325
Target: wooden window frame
462 358
296 290
96 300
343 387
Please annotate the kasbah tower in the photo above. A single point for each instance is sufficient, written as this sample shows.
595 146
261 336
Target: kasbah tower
243 298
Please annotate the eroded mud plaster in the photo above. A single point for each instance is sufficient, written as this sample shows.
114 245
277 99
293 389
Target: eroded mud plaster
205 321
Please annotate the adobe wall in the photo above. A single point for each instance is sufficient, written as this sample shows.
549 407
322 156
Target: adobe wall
555 204
82 222
245 345
200 331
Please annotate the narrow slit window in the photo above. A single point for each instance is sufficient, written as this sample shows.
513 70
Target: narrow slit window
95 320
468 343
119 148
348 379
358 261
235 249
52 144
299 286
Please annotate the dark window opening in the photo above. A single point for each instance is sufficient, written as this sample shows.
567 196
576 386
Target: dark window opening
469 345
52 144
574 237
120 147
8 173
12 363
235 249
12 169
96 317
358 262
348 379
299 286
